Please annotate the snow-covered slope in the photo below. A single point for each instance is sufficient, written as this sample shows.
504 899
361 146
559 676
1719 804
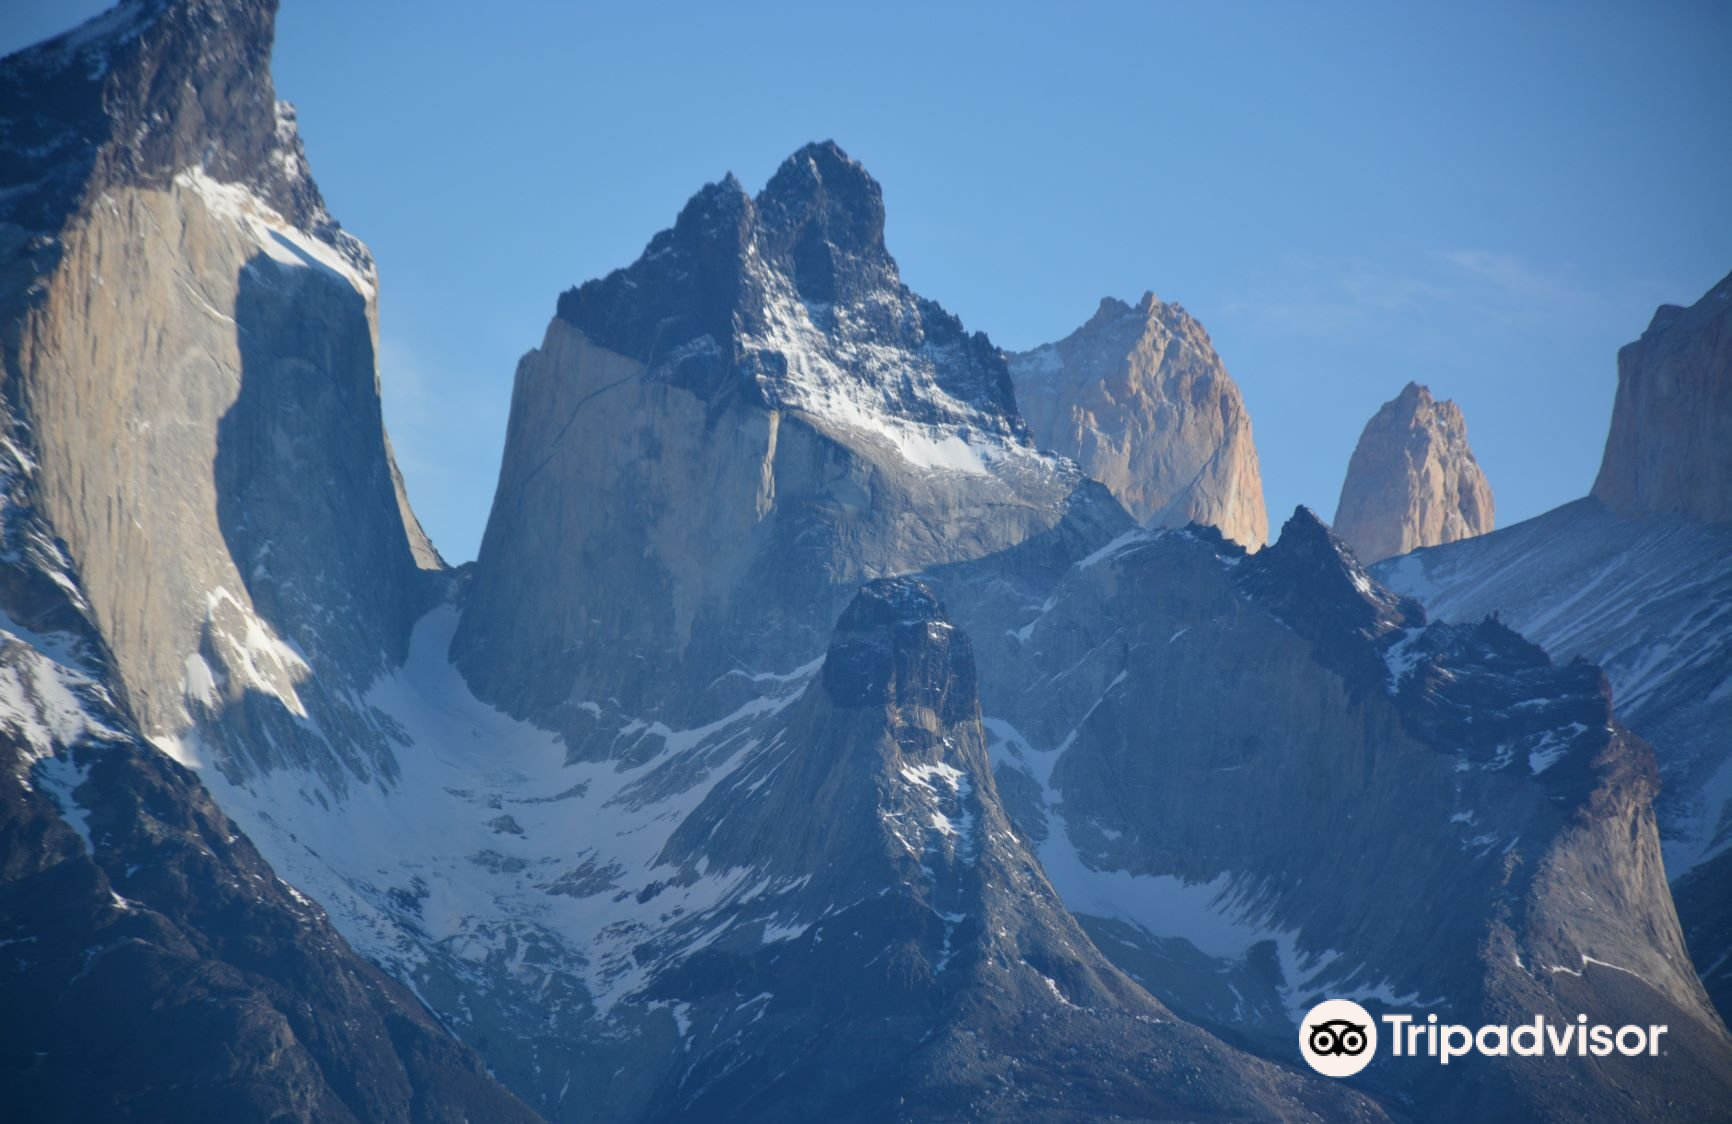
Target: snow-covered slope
155 966
1649 601
202 538
656 807
192 415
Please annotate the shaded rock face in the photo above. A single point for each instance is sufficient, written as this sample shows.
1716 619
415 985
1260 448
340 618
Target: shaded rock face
140 94
172 976
1412 481
812 908
1641 597
932 972
1261 781
191 401
1138 397
1670 447
713 448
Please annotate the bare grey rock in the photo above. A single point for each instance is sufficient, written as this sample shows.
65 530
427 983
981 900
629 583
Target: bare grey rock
724 836
934 973
157 968
1412 481
1640 597
1264 780
1670 446
1138 397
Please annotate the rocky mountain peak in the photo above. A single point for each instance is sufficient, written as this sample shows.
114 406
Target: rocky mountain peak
1312 581
143 92
1413 481
895 645
756 417
1670 445
1140 399
167 198
777 298
822 220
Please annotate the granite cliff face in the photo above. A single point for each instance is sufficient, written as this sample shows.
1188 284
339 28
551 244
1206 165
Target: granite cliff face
1670 447
203 543
191 402
1412 481
714 447
1138 397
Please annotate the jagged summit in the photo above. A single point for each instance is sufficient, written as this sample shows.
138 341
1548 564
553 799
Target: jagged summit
143 92
1306 535
883 653
198 497
1147 307
1139 398
823 218
1413 481
737 430
791 299
1313 582
749 854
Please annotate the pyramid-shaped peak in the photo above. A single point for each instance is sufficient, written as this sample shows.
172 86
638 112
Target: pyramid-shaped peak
821 221
822 174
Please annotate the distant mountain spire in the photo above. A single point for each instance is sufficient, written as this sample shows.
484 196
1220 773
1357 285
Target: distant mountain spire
1139 398
1412 481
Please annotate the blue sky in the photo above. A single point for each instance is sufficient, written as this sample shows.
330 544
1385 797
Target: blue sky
1488 198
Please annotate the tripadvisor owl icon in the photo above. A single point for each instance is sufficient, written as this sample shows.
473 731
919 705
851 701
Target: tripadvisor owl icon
1338 1037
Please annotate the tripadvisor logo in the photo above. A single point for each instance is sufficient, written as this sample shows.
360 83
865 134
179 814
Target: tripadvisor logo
1339 1038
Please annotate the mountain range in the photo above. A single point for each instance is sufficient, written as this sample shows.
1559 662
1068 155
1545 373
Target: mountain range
844 719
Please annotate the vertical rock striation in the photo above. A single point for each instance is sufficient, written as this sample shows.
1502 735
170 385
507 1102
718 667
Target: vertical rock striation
1263 780
1634 578
203 543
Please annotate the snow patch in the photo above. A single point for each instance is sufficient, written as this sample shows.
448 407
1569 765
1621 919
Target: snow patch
280 240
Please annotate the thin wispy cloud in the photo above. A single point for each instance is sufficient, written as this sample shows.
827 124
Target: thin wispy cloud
1431 290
